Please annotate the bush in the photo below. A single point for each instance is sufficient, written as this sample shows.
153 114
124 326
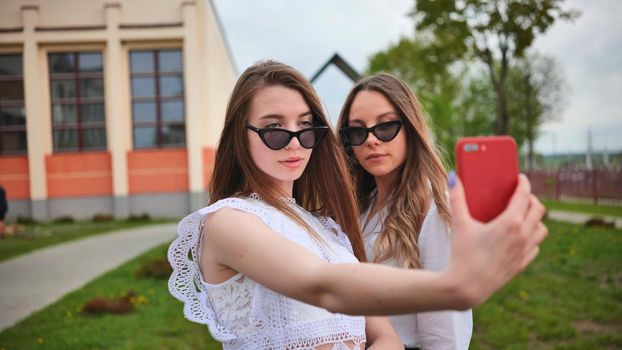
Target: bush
121 305
102 218
23 220
67 219
599 222
155 269
142 217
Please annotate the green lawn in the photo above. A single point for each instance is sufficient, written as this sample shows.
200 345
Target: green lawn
40 235
570 298
600 209
158 323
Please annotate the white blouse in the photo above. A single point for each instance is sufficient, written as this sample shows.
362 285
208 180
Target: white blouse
243 314
436 330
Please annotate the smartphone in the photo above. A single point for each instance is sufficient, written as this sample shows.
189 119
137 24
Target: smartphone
488 169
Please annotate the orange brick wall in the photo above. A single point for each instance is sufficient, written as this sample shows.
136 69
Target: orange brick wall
78 174
152 171
90 174
14 176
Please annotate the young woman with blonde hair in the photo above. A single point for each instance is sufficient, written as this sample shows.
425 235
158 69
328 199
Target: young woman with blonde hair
273 261
402 195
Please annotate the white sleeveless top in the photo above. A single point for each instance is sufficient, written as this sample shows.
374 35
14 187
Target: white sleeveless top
243 314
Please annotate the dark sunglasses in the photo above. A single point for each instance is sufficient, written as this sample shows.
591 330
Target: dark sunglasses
276 138
356 135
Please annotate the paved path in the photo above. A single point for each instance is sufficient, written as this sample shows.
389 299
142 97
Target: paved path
32 281
582 218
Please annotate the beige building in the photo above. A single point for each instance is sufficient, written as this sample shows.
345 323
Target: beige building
110 106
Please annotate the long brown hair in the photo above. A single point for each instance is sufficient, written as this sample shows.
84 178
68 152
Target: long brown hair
324 187
421 177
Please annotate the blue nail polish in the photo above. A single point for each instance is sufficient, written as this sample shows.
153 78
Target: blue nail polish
451 179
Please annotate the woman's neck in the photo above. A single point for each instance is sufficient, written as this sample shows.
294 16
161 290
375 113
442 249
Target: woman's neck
285 188
379 201
384 187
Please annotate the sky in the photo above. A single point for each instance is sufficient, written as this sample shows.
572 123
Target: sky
305 34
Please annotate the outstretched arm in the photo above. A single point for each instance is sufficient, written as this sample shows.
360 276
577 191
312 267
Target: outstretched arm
484 257
286 267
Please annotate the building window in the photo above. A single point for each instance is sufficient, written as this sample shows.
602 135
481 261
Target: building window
77 90
12 115
157 98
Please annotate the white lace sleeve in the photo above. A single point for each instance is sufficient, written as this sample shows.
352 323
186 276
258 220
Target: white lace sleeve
185 281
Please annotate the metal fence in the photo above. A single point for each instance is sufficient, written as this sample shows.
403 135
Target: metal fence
595 185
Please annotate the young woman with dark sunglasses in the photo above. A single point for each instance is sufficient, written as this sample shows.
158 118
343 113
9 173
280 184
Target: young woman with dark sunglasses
402 194
273 261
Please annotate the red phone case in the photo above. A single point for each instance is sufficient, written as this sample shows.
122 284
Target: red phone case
488 169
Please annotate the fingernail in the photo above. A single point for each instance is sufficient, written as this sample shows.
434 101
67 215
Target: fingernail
451 179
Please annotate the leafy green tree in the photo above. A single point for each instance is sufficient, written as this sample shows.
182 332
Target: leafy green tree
495 32
435 86
536 89
476 106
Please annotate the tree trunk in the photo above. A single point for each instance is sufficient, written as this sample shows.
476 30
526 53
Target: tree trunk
501 125
498 83
502 103
529 120
530 154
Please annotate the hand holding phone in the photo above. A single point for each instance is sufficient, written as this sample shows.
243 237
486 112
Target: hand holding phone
488 169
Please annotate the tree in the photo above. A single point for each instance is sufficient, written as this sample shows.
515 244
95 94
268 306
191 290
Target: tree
476 105
430 78
536 89
496 32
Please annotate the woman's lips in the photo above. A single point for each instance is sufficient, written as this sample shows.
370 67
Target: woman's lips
292 162
375 157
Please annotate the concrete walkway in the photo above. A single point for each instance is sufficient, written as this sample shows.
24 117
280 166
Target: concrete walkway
32 281
582 218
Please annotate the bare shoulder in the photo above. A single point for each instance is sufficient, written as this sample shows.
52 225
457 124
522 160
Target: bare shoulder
235 240
227 234
227 220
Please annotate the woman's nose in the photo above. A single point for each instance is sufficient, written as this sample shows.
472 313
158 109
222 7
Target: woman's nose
372 139
294 143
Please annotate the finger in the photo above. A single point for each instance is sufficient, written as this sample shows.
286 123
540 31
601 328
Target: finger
534 214
535 239
457 201
517 207
541 232
529 257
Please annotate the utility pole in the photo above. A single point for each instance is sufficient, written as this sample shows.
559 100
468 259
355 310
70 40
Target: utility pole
588 155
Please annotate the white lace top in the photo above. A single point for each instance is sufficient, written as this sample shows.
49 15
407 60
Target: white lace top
243 314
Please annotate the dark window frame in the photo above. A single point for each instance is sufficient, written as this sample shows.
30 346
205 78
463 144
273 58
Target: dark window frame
157 99
18 103
78 101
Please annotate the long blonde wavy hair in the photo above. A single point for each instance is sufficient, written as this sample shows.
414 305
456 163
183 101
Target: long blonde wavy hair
421 178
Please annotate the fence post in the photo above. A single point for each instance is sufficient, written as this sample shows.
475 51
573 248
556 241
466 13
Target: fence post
594 187
557 185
